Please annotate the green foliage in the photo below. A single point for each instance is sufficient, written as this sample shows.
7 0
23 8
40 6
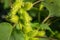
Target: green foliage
18 35
6 3
44 39
53 7
5 31
29 19
28 5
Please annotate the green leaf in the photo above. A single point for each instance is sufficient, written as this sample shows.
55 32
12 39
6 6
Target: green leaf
11 37
53 6
6 3
35 25
5 31
33 12
18 35
44 39
46 27
58 35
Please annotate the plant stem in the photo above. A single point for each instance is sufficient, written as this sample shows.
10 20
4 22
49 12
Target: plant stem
54 21
46 19
14 25
39 17
37 2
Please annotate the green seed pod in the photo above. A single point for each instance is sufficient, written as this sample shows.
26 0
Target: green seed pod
27 29
19 26
33 33
16 6
34 39
26 37
14 19
41 6
25 15
41 33
28 5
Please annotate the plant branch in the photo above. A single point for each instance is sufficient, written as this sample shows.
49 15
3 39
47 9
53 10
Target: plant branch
50 38
37 2
46 19
54 21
